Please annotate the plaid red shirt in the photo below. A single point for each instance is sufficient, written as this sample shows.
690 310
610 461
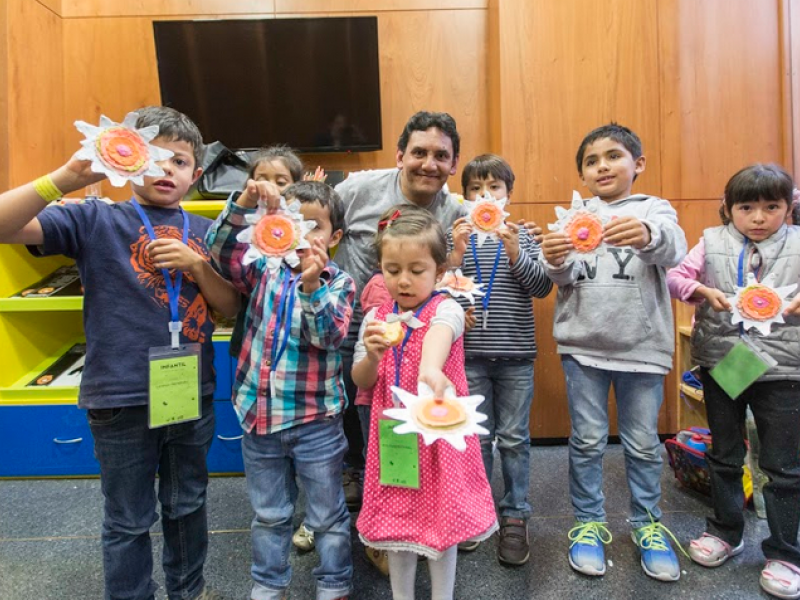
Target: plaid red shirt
307 377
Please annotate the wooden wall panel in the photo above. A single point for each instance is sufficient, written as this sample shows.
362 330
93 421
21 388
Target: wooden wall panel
163 8
35 98
567 67
792 14
722 80
5 148
100 77
53 5
336 6
129 8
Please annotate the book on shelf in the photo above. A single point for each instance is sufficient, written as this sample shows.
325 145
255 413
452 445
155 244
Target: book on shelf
66 371
223 325
64 281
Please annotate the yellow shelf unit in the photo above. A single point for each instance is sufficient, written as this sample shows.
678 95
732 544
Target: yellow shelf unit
56 303
206 208
691 409
21 393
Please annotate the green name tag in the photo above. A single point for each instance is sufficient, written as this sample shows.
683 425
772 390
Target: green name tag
174 385
399 456
741 367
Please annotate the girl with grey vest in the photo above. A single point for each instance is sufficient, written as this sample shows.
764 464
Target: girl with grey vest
754 239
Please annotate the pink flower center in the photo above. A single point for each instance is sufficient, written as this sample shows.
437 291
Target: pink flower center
583 233
278 233
439 411
760 302
124 150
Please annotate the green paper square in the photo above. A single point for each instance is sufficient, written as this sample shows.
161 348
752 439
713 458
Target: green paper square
399 456
740 369
174 390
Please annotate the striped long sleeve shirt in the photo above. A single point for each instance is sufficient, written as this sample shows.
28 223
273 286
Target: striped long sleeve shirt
289 370
509 333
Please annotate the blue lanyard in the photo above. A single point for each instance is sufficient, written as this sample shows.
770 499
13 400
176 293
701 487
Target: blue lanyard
740 275
173 289
284 317
487 296
740 270
398 355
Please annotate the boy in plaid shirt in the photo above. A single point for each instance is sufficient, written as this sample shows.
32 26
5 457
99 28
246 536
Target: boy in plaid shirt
289 395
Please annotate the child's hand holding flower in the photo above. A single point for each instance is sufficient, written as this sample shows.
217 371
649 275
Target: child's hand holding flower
555 247
509 236
264 191
626 231
715 298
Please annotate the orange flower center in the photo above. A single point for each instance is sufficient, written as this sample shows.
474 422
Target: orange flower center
275 235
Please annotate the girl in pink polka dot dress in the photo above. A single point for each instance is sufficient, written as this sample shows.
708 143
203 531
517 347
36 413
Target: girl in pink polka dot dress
453 501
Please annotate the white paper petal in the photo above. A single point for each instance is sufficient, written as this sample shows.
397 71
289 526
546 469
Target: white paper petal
157 154
130 122
149 133
87 129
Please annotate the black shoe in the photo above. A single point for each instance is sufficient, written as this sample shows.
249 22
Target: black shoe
514 547
353 492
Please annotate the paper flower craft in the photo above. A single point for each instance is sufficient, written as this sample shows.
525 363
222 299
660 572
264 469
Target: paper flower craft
583 224
449 418
486 215
276 236
120 151
456 284
759 305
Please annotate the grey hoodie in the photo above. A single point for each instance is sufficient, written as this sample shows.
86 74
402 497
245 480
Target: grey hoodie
620 308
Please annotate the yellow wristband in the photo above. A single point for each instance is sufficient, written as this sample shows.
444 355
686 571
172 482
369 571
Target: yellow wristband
46 189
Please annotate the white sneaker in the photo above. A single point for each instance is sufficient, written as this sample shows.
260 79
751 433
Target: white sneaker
781 579
303 538
710 551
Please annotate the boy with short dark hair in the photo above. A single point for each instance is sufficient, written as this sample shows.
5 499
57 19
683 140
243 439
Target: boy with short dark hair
613 324
288 393
126 313
500 350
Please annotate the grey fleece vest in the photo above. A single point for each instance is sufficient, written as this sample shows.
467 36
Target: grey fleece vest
714 335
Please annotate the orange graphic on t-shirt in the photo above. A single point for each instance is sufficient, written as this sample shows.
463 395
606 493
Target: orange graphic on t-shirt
150 276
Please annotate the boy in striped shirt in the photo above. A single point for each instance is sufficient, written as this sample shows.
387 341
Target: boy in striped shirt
500 346
289 393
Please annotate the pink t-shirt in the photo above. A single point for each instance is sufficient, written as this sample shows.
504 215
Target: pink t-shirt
684 279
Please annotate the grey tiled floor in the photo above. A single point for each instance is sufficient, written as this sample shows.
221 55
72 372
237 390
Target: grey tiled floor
50 549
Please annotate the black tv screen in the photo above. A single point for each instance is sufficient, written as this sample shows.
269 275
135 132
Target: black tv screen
312 84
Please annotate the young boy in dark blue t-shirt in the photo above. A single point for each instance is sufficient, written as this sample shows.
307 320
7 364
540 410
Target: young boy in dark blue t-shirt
127 311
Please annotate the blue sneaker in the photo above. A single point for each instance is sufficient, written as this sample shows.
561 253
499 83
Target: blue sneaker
659 560
586 552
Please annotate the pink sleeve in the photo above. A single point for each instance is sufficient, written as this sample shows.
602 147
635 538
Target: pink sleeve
375 293
684 279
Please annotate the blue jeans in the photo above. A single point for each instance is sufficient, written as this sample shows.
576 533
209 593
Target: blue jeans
507 386
776 409
130 454
639 397
314 452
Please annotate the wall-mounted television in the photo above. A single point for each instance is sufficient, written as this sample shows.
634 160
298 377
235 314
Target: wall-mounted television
312 84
